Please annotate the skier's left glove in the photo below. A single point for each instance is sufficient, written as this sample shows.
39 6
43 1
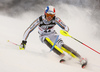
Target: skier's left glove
22 45
66 29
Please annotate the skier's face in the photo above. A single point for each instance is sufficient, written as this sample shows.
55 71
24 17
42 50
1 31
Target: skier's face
49 16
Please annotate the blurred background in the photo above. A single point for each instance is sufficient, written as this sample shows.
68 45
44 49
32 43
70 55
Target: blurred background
15 8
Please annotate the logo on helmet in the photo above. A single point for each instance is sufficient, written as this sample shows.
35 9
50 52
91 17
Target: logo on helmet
50 10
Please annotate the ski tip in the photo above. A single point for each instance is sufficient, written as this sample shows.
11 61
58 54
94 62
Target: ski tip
62 61
84 65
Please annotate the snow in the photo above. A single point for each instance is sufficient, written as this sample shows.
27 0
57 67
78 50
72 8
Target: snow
36 57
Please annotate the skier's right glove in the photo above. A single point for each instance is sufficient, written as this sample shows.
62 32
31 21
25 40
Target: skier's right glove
22 45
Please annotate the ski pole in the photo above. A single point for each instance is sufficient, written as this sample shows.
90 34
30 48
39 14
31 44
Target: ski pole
54 43
13 43
65 33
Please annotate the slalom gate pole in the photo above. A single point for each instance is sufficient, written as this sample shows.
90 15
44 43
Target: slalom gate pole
13 43
65 33
54 43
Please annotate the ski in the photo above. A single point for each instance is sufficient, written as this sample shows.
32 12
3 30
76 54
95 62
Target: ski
83 64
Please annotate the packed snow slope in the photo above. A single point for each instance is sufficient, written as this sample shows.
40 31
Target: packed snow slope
36 57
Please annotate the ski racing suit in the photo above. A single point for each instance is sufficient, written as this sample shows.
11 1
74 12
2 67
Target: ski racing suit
48 35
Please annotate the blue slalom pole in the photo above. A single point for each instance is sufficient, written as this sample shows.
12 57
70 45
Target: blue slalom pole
54 43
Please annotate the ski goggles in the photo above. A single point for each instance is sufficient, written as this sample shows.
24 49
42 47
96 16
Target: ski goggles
50 15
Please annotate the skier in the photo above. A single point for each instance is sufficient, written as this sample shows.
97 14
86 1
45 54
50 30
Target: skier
48 35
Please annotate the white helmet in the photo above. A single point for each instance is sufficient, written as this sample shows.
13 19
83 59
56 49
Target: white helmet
50 10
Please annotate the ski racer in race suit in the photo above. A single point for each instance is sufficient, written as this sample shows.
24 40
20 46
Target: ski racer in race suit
48 35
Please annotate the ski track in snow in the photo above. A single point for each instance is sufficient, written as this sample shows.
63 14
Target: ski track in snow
36 56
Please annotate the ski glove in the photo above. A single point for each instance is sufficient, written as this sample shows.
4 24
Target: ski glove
22 45
66 28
